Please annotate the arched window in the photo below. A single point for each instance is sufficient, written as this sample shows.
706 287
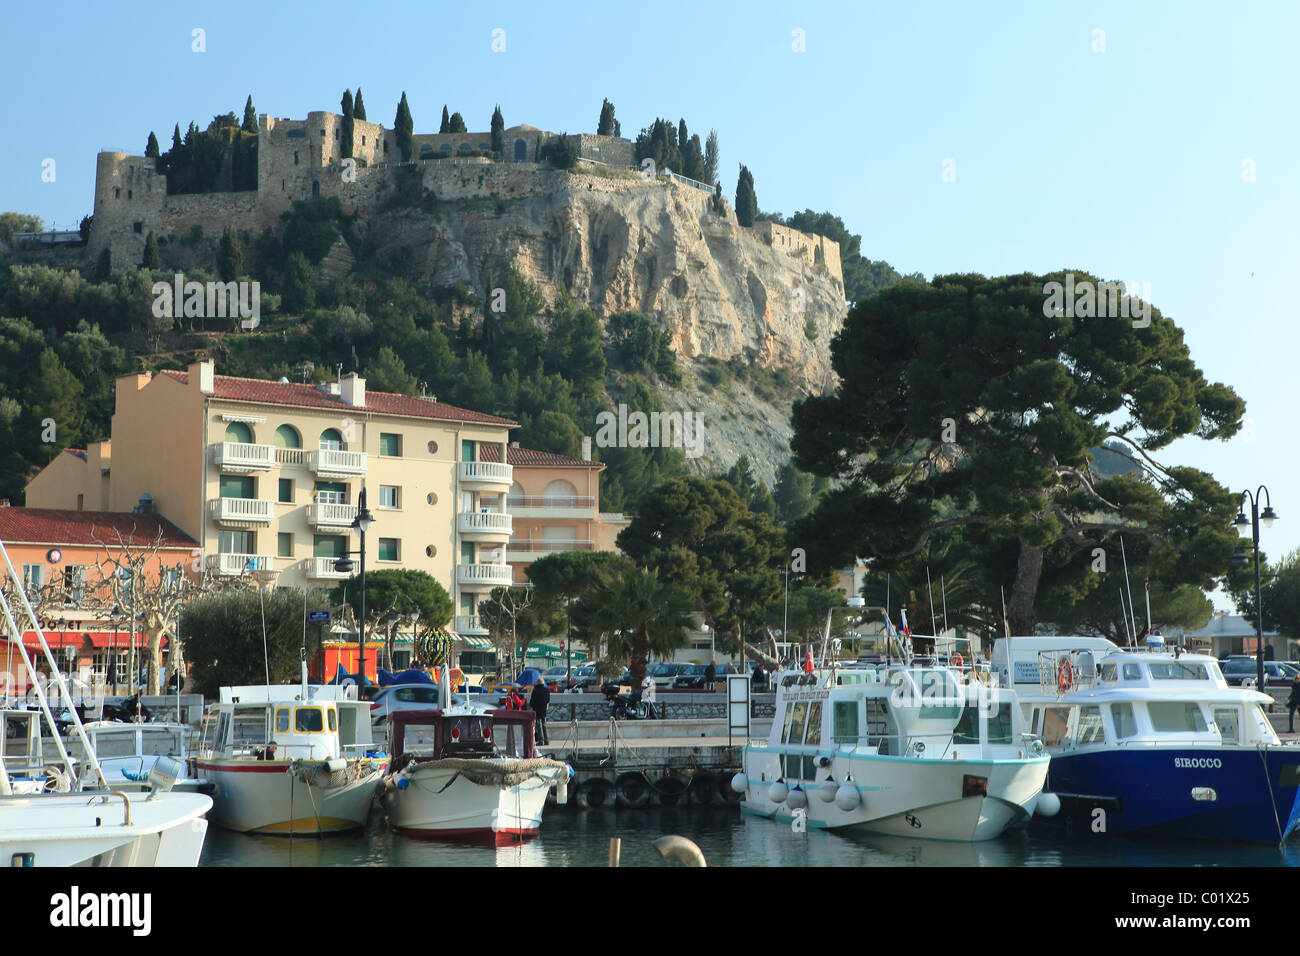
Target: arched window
331 439
559 488
286 436
238 431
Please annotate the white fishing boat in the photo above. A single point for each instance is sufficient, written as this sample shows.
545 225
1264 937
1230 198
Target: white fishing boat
469 772
296 758
85 822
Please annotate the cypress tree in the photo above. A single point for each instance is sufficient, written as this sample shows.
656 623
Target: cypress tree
457 124
498 131
404 127
605 126
250 116
349 130
104 266
230 256
150 260
618 128
359 107
347 102
682 138
711 157
746 198
151 149
446 122
176 140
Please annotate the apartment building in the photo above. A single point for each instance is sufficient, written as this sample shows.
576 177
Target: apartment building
267 477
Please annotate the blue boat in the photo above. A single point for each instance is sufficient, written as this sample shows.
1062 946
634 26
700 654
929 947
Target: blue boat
1152 742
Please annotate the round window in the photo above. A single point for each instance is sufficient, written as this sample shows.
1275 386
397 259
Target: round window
430 550
432 498
433 448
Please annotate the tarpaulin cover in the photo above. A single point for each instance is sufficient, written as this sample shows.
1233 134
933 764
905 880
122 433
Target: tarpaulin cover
412 676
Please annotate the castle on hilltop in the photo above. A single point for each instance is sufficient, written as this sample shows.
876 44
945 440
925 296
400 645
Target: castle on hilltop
296 160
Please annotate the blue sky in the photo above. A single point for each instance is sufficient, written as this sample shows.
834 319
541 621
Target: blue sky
1127 163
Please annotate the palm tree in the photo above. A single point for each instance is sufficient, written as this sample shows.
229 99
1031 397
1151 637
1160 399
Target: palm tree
641 614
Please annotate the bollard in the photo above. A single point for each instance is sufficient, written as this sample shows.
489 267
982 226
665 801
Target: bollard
680 848
615 847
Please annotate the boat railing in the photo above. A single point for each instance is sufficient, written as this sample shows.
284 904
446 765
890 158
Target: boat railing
1060 672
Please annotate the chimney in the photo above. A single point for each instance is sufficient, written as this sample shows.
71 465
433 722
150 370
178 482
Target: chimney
353 389
586 448
514 444
205 374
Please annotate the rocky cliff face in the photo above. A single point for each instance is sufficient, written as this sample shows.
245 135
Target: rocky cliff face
770 296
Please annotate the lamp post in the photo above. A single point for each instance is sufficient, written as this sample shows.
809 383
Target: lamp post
361 524
1239 560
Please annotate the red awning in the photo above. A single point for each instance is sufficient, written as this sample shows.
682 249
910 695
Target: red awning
98 639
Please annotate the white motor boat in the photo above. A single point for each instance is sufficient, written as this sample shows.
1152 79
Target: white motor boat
469 772
907 749
127 751
288 759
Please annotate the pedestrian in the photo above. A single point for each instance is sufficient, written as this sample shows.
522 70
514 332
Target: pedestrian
760 677
648 693
541 698
710 675
1293 704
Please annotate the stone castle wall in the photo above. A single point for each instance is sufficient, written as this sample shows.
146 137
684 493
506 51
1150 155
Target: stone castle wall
818 250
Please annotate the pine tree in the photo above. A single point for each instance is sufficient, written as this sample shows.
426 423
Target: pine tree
746 198
150 260
299 294
457 124
151 149
446 122
605 126
359 107
250 116
711 157
404 127
230 256
498 131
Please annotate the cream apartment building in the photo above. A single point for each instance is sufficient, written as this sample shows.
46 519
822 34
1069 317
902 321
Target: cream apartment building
267 476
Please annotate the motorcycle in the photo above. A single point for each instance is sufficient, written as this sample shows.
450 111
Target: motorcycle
621 707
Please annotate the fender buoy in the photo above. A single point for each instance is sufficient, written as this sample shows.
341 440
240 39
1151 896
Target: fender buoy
632 790
703 788
595 794
808 663
671 790
730 794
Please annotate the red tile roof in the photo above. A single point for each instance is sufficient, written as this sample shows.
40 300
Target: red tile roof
57 527
531 456
265 392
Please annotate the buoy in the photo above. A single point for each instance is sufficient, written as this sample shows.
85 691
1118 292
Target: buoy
335 765
702 787
740 783
827 790
632 790
797 800
1049 805
847 797
808 663
595 793
778 792
671 790
729 794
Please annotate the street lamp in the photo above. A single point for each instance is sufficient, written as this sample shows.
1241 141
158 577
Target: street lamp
361 524
1268 516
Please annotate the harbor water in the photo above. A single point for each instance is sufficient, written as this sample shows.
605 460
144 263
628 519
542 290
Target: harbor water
571 838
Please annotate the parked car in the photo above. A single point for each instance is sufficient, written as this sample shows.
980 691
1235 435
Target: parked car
664 674
1239 668
557 678
403 697
693 677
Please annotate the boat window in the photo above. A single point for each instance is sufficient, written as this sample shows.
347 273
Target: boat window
940 696
1132 672
1229 725
334 719
1033 727
282 720
1109 671
1175 716
1090 729
877 719
845 727
967 730
814 723
308 720
999 726
785 726
250 726
115 745
160 741
797 718
1055 722
1178 670
1121 720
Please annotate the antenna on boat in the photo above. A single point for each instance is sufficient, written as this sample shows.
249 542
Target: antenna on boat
1123 616
1147 585
929 599
1006 625
1129 588
944 594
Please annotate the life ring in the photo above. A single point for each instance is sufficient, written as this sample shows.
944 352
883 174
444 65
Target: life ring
594 794
957 660
703 787
671 790
632 790
1064 676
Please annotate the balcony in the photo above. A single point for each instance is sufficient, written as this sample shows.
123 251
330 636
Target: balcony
483 577
237 457
521 550
327 515
470 625
484 475
291 456
241 512
236 564
332 463
552 506
484 525
323 569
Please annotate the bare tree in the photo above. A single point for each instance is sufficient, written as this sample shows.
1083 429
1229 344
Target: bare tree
501 613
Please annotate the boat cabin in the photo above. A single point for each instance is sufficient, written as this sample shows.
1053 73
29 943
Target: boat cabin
477 733
279 723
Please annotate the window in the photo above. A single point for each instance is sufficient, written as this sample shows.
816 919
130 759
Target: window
284 544
467 450
814 723
295 157
1109 671
1178 670
282 720
33 576
1132 672
286 436
390 445
238 431
1055 722
433 448
1174 717
467 552
308 720
329 546
331 440
74 579
1227 719
334 719
237 486
1090 728
234 542
286 490
389 549
797 719
390 496
138 227
999 725
81 502
330 493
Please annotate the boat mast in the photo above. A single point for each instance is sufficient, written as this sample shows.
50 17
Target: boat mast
1123 616
929 598
1129 587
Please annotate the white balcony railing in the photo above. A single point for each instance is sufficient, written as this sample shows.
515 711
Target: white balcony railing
324 568
485 472
470 625
484 522
542 546
239 563
241 456
552 506
242 509
331 461
485 575
331 515
291 456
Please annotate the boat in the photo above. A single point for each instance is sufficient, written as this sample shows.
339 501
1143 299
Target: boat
128 750
1153 741
465 771
912 748
71 815
289 759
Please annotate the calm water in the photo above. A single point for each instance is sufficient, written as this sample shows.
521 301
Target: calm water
572 838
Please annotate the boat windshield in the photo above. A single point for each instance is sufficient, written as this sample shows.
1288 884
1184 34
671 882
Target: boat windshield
160 740
1169 717
1178 670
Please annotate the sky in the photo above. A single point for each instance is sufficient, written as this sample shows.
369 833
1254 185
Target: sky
1151 143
